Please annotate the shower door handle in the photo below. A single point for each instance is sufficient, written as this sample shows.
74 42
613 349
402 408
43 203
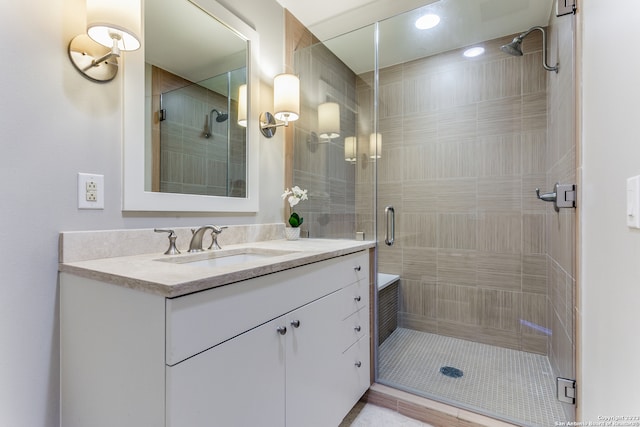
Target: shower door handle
390 233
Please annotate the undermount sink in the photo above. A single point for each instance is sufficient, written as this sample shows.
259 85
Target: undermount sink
225 258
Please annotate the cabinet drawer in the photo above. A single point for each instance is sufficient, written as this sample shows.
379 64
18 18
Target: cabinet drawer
354 298
354 328
204 319
354 371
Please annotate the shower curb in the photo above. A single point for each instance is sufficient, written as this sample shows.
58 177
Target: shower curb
429 411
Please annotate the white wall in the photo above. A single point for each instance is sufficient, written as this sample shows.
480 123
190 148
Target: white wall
610 299
53 124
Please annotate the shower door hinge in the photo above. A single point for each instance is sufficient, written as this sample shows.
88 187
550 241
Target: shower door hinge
567 390
565 7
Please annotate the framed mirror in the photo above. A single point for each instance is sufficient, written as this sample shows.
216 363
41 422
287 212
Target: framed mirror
185 144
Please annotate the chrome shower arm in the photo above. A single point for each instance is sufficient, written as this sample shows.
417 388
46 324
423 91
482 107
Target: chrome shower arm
544 47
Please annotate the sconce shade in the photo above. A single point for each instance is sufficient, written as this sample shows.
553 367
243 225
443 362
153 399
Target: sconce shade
350 144
286 97
329 120
109 20
375 145
242 105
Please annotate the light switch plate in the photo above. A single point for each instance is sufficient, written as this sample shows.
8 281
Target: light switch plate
90 191
633 202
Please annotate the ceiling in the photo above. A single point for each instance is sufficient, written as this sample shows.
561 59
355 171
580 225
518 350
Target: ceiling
344 25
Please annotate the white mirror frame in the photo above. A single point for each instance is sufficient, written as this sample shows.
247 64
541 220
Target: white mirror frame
134 196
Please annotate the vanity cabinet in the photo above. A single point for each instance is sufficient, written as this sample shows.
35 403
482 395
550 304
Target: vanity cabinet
286 349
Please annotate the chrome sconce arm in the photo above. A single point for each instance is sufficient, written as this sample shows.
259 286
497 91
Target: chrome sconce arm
111 27
286 103
268 124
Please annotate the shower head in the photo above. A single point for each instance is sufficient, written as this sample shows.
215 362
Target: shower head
220 117
515 47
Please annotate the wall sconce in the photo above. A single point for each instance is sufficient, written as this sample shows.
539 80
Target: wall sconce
329 120
242 105
286 104
350 148
114 24
375 145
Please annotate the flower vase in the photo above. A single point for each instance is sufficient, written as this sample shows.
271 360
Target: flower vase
292 233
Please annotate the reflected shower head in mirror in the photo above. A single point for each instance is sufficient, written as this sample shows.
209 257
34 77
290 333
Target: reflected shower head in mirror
515 47
220 117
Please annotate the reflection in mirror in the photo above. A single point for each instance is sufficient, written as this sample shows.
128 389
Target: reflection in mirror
195 145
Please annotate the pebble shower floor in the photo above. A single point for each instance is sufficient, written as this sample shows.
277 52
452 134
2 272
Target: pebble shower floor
511 384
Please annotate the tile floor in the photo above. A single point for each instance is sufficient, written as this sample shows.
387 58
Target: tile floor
516 385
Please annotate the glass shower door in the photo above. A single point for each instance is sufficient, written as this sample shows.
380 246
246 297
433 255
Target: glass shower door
486 273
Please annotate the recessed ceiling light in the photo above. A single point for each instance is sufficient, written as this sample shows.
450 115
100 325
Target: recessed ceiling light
472 52
427 21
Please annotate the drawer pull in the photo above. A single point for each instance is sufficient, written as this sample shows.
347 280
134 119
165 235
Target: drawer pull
358 364
295 323
357 268
282 330
358 298
357 328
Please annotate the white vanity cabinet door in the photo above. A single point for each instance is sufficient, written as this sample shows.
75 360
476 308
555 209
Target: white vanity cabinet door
240 382
313 361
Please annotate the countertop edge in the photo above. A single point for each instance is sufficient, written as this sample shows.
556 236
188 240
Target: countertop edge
201 284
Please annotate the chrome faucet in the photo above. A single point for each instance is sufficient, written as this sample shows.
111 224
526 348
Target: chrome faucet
196 239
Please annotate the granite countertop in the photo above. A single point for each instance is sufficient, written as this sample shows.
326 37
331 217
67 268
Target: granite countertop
164 275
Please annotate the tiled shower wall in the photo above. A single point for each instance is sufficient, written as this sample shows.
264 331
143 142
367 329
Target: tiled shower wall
464 145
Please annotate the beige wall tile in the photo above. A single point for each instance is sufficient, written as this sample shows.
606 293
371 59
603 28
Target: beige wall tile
456 195
419 264
459 304
457 267
456 159
533 233
420 230
500 194
499 155
419 162
457 231
500 233
500 309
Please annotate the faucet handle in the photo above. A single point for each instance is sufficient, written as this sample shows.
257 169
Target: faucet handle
172 240
215 231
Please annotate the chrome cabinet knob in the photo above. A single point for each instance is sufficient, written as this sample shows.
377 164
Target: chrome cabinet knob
357 328
357 268
295 323
282 330
358 364
358 298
